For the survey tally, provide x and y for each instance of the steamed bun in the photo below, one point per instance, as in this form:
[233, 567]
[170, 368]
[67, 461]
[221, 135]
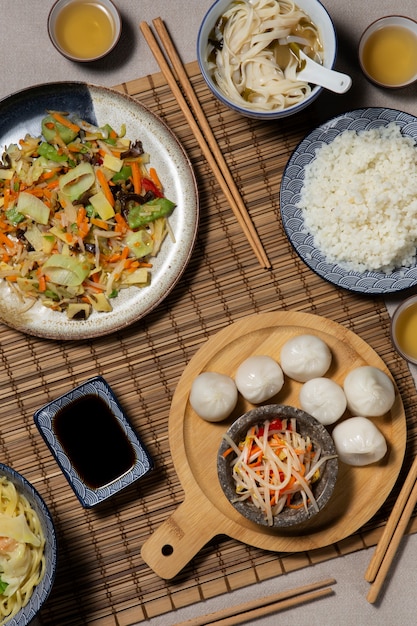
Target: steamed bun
[359, 442]
[213, 396]
[258, 378]
[369, 391]
[305, 357]
[324, 399]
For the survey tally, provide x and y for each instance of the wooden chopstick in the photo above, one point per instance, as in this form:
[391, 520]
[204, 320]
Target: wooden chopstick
[391, 537]
[208, 143]
[264, 606]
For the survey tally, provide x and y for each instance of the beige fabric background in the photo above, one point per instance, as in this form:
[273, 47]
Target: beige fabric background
[28, 58]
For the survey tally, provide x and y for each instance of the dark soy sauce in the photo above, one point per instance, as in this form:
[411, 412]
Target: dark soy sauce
[94, 441]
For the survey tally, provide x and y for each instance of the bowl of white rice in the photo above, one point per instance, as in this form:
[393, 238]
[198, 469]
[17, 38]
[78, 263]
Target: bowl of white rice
[244, 55]
[348, 200]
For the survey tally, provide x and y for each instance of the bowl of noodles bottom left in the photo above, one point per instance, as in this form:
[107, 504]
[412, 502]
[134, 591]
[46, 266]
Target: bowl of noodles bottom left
[18, 496]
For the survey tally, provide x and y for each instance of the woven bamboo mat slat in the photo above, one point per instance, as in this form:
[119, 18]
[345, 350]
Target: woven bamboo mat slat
[101, 578]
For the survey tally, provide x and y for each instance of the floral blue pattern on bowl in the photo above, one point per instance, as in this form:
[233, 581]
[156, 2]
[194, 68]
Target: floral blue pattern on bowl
[292, 217]
[97, 465]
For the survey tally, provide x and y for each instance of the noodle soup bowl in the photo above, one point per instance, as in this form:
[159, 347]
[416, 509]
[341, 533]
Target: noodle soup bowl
[322, 486]
[42, 590]
[319, 17]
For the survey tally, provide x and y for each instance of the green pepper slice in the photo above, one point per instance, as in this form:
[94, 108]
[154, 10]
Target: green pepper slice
[141, 214]
[49, 152]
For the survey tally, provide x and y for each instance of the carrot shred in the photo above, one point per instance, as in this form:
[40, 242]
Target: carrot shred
[61, 119]
[136, 177]
[6, 241]
[41, 280]
[155, 178]
[104, 184]
[82, 222]
[6, 197]
[121, 224]
[100, 223]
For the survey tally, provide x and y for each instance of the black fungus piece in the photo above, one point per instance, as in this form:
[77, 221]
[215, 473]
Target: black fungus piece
[90, 247]
[127, 200]
[135, 150]
[7, 161]
[84, 199]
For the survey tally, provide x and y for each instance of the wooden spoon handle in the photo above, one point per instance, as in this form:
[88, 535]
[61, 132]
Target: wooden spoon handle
[180, 537]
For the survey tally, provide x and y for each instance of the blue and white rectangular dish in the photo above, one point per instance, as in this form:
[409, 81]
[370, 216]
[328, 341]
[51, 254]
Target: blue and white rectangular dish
[93, 442]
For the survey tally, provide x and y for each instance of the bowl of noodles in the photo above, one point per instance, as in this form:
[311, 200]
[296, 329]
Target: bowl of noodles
[28, 550]
[245, 53]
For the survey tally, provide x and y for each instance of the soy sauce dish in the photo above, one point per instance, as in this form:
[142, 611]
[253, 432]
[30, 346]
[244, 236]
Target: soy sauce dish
[93, 442]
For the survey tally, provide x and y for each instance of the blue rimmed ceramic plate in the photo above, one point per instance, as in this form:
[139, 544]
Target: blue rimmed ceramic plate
[43, 589]
[292, 218]
[22, 113]
[93, 442]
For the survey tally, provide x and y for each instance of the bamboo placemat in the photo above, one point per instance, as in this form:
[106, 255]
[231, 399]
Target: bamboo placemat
[101, 577]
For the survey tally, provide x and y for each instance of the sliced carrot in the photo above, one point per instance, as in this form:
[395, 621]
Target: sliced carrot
[74, 147]
[47, 175]
[41, 281]
[136, 177]
[121, 224]
[105, 186]
[52, 184]
[131, 264]
[82, 222]
[6, 241]
[155, 178]
[6, 197]
[100, 223]
[227, 452]
[65, 121]
[35, 191]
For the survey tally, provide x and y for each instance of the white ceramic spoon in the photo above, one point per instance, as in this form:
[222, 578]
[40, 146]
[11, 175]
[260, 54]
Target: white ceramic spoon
[312, 72]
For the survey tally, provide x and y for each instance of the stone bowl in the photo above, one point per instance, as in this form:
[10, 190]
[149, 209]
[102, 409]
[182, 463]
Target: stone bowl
[306, 425]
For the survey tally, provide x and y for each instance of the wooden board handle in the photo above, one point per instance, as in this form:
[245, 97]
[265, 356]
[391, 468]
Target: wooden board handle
[172, 546]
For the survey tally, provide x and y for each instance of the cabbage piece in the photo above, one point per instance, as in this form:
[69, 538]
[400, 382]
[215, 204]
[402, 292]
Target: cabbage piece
[33, 207]
[77, 181]
[51, 128]
[18, 529]
[66, 270]
[140, 243]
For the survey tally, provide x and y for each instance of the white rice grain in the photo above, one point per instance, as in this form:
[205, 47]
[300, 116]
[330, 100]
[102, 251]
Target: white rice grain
[359, 200]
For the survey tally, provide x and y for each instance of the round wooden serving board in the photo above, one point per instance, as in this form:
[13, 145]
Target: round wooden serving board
[205, 512]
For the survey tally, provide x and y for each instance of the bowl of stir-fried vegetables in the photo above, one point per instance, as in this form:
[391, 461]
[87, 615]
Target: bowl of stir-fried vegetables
[98, 210]
[277, 466]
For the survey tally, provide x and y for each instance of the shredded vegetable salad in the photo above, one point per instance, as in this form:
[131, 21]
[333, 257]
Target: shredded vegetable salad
[82, 215]
[275, 467]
